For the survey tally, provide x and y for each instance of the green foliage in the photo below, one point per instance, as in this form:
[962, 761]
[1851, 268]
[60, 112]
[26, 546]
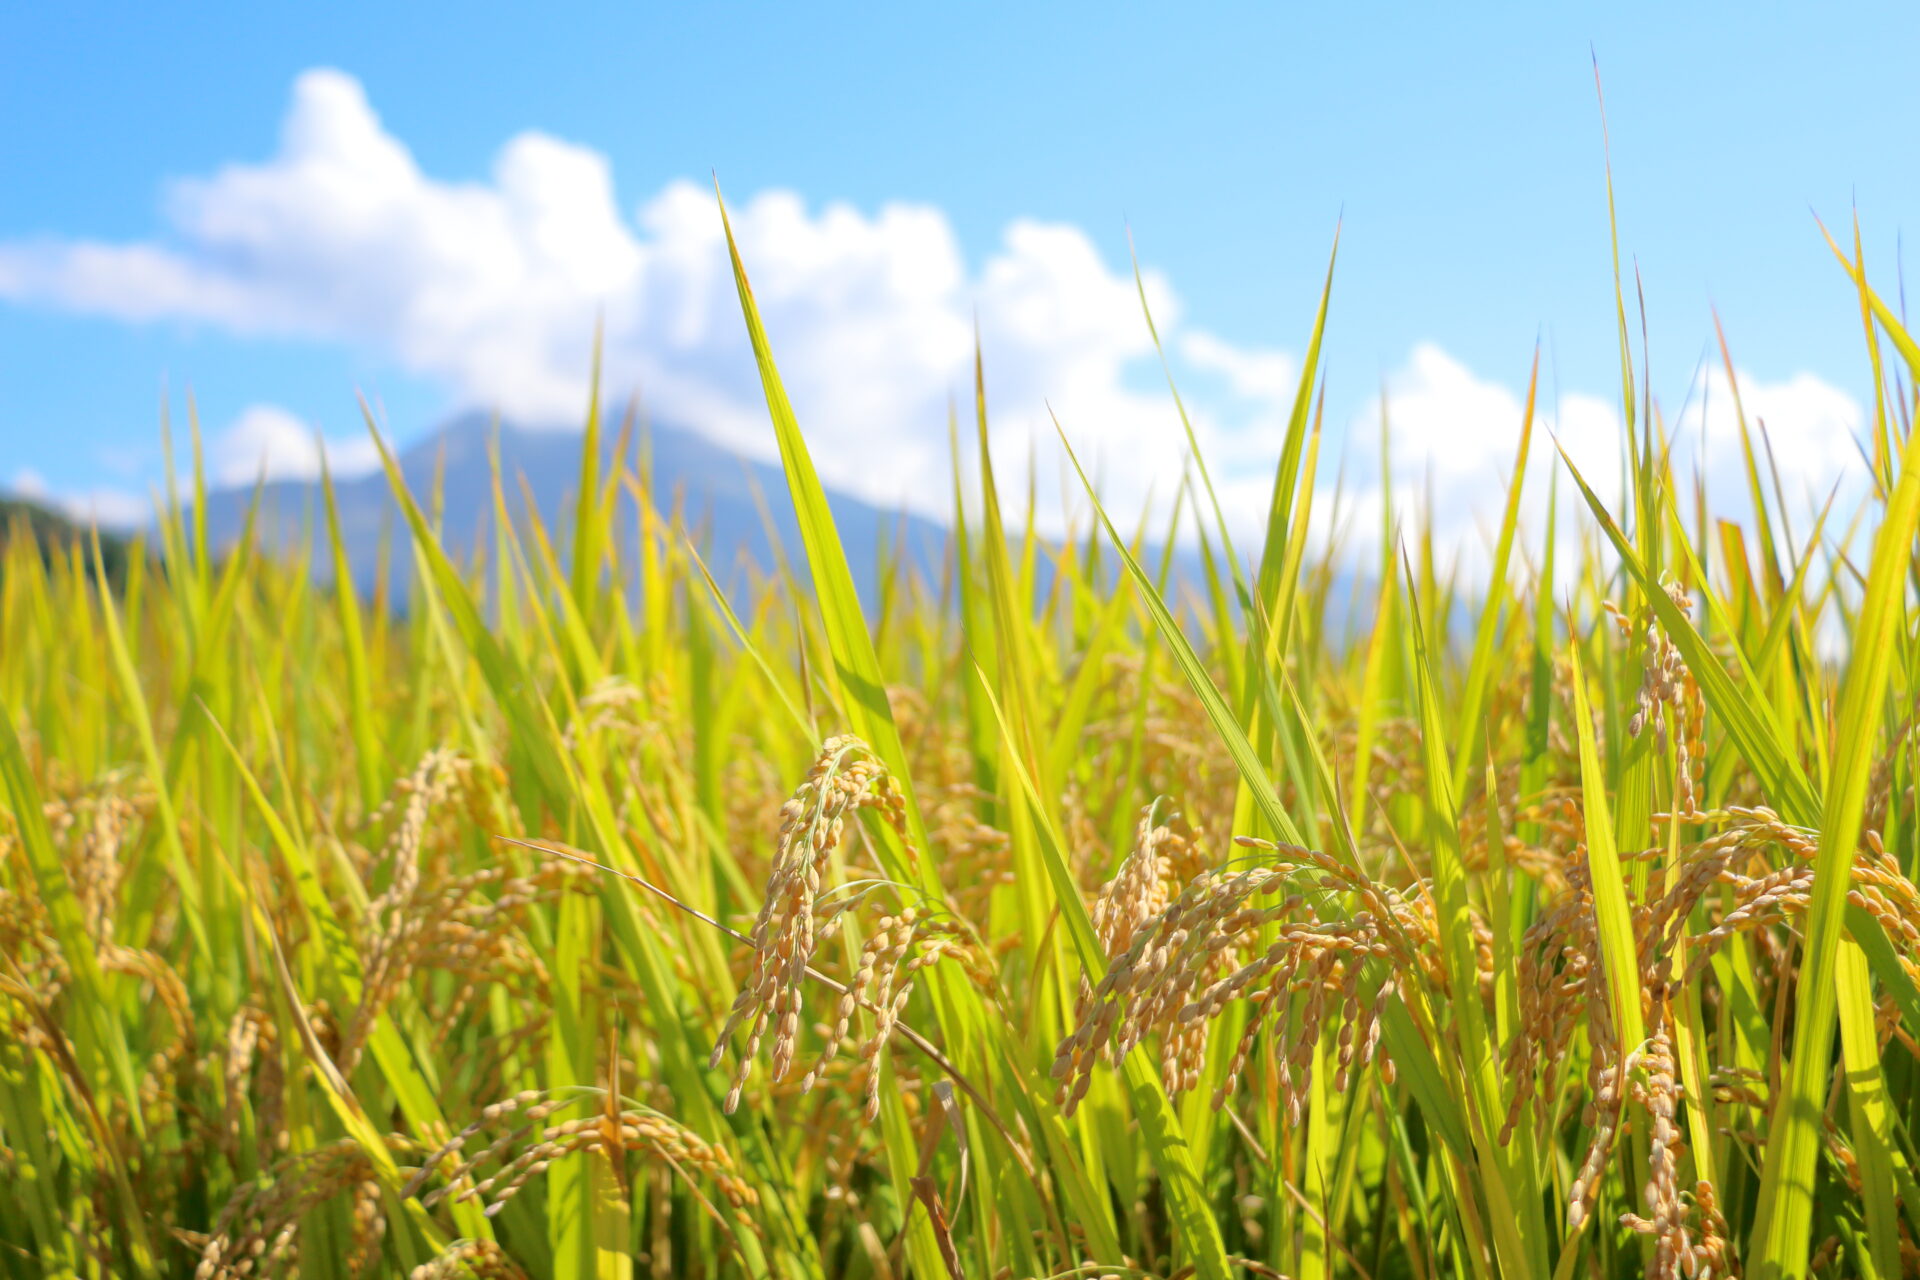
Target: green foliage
[1112, 932]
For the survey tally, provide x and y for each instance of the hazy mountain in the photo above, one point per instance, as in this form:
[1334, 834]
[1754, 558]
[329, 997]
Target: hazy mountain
[713, 486]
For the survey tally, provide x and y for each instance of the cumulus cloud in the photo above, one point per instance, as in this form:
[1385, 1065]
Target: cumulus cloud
[494, 288]
[1453, 432]
[1450, 447]
[1261, 375]
[1812, 429]
[268, 441]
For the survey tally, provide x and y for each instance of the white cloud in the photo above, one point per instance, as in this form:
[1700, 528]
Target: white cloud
[1260, 375]
[1812, 428]
[1453, 434]
[492, 288]
[266, 440]
[109, 508]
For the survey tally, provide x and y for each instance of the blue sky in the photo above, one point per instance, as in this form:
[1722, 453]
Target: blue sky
[899, 170]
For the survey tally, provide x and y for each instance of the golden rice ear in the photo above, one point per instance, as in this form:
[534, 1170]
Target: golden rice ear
[1214, 946]
[846, 778]
[479, 1259]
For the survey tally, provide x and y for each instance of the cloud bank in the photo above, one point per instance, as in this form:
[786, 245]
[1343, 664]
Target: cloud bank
[493, 290]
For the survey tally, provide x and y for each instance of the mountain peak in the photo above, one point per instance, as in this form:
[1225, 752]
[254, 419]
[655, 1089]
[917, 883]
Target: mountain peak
[715, 484]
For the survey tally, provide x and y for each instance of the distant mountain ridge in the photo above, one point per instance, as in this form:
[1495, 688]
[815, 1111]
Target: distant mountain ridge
[712, 485]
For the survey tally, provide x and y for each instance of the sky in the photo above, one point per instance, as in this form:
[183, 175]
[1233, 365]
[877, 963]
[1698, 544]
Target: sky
[277, 209]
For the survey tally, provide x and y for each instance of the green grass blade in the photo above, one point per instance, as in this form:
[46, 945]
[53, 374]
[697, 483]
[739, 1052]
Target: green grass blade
[1783, 1221]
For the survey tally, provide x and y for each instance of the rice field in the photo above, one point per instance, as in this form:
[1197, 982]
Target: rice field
[1060, 915]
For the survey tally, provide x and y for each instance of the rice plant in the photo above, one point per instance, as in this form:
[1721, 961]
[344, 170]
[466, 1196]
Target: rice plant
[1058, 916]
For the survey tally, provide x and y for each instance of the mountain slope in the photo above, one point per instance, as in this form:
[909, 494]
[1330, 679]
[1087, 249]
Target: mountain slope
[712, 485]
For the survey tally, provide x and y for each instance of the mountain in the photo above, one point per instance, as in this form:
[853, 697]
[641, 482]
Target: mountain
[713, 486]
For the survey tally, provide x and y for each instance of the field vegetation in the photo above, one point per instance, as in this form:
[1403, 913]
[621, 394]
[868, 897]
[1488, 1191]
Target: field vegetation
[1061, 916]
